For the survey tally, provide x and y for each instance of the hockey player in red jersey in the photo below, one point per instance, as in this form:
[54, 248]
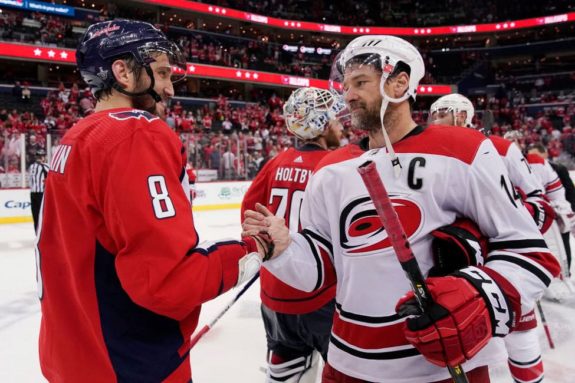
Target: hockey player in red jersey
[297, 323]
[523, 348]
[433, 175]
[121, 271]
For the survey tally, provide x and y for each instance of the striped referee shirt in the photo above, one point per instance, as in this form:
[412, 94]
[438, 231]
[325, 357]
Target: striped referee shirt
[38, 173]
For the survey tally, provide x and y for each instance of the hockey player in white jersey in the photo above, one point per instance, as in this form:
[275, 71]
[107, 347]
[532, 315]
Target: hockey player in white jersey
[523, 348]
[433, 176]
[558, 237]
[457, 110]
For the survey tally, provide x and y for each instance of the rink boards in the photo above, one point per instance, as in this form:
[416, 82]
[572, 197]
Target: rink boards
[15, 203]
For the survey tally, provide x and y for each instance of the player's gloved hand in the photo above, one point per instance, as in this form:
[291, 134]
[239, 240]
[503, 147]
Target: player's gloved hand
[249, 265]
[469, 308]
[542, 213]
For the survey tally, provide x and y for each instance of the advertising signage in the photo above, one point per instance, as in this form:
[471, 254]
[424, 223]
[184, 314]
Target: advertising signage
[68, 56]
[39, 6]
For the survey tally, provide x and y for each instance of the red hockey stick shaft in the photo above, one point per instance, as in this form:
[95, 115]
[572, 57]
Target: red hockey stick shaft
[400, 243]
[545, 326]
[209, 326]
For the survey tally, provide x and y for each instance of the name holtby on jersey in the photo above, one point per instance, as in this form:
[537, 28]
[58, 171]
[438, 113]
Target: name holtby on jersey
[293, 175]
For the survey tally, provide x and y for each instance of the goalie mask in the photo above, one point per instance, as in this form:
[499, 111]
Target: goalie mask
[105, 42]
[389, 56]
[457, 106]
[308, 111]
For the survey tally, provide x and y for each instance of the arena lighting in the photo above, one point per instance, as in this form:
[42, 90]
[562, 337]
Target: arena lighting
[24, 52]
[362, 30]
[304, 49]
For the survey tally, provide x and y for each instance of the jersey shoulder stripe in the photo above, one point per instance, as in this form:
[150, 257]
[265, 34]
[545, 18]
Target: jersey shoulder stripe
[439, 139]
[348, 152]
[501, 144]
[535, 159]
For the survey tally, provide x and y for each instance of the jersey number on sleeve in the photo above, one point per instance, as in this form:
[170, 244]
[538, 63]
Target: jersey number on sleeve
[526, 164]
[163, 206]
[294, 202]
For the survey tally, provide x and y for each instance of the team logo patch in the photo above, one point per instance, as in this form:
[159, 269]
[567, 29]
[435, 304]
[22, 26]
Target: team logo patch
[135, 114]
[361, 228]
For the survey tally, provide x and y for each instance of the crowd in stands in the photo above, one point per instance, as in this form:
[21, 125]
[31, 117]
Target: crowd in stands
[201, 47]
[235, 141]
[399, 13]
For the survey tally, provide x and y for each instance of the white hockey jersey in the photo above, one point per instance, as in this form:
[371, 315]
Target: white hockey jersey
[548, 177]
[523, 177]
[448, 172]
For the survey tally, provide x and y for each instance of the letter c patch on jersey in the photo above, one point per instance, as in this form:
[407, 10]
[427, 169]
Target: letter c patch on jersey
[361, 230]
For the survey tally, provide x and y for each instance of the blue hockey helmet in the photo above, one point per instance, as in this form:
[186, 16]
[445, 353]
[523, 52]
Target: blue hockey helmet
[105, 42]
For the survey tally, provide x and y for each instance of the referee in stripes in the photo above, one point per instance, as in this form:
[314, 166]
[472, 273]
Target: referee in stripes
[38, 172]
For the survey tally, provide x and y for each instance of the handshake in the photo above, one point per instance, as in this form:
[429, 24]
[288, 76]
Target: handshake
[270, 232]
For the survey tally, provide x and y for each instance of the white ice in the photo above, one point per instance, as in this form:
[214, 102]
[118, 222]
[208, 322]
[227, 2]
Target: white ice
[234, 350]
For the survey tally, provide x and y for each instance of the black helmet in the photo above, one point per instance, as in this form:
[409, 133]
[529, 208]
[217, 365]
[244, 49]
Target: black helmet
[105, 42]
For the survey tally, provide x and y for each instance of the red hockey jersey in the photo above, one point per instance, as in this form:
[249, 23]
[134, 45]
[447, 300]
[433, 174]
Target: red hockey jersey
[121, 273]
[280, 185]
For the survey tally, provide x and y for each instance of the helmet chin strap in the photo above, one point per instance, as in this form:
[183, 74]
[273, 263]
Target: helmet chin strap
[384, 103]
[150, 90]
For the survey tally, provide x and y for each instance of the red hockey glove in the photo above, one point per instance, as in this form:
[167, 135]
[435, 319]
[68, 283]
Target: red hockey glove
[469, 308]
[542, 213]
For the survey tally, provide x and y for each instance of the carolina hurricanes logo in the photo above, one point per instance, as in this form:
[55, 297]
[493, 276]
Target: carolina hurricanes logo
[361, 230]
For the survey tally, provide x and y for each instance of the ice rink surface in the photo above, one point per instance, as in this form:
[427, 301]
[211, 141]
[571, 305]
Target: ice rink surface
[234, 350]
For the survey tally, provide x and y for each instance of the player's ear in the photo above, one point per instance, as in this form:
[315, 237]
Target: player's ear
[122, 73]
[400, 84]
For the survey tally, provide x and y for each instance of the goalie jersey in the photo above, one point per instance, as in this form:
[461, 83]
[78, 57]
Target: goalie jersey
[448, 172]
[119, 300]
[280, 185]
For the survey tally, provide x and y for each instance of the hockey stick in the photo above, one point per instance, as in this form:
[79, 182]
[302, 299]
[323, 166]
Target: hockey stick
[400, 243]
[208, 326]
[545, 326]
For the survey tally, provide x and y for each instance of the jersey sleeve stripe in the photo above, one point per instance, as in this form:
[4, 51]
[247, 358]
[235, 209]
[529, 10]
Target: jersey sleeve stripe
[554, 185]
[207, 247]
[319, 238]
[315, 242]
[517, 244]
[524, 263]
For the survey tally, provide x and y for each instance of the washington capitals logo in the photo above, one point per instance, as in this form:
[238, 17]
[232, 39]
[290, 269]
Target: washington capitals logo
[361, 230]
[135, 114]
[104, 31]
[103, 74]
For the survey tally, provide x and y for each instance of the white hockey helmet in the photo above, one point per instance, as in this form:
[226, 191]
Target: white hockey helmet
[384, 52]
[309, 110]
[390, 55]
[454, 103]
[513, 135]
